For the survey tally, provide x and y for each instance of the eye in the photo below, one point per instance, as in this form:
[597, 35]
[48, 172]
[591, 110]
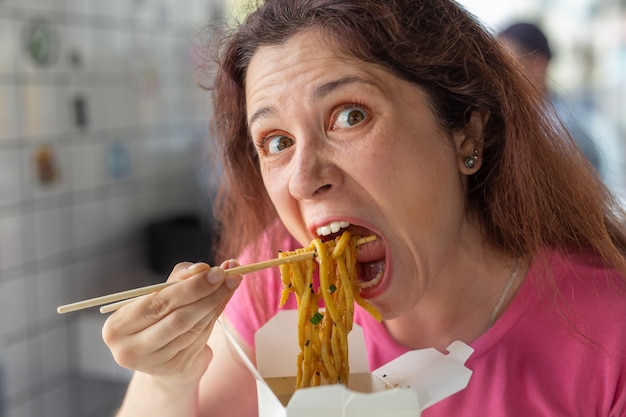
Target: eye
[349, 116]
[278, 143]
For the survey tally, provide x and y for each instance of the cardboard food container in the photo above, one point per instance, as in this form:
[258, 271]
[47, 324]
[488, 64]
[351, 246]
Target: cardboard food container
[401, 388]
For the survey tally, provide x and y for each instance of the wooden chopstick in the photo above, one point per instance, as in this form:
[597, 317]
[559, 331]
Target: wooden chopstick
[137, 292]
[119, 299]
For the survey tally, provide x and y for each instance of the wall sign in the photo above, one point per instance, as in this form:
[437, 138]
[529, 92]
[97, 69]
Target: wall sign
[41, 42]
[46, 166]
[118, 160]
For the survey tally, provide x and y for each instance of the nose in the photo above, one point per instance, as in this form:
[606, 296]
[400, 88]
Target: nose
[315, 172]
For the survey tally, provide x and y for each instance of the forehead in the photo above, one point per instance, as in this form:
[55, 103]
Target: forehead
[310, 43]
[304, 50]
[301, 66]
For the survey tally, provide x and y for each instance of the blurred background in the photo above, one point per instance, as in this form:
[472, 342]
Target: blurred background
[104, 173]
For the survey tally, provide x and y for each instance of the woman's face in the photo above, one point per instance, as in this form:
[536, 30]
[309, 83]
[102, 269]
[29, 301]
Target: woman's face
[343, 142]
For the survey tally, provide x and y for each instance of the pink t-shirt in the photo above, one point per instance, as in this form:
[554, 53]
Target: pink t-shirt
[547, 355]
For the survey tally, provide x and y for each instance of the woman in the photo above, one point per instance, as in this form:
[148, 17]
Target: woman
[403, 119]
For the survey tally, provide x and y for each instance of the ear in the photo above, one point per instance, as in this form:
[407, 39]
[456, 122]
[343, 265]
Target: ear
[469, 142]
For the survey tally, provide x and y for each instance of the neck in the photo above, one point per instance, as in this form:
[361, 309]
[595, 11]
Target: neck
[459, 310]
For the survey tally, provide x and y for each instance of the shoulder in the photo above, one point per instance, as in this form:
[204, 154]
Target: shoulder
[584, 295]
[565, 324]
[581, 278]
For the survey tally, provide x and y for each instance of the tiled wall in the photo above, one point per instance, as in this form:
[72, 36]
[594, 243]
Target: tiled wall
[101, 133]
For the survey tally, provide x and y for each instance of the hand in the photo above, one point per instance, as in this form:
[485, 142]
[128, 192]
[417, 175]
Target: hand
[165, 334]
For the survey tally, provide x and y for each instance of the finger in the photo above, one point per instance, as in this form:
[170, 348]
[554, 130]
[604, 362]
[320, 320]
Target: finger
[190, 318]
[197, 334]
[174, 356]
[185, 323]
[194, 360]
[231, 281]
[145, 312]
[181, 354]
[144, 350]
[169, 358]
[183, 334]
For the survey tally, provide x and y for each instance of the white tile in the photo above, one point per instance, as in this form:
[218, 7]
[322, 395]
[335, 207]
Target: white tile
[127, 272]
[9, 117]
[51, 290]
[27, 172]
[152, 109]
[55, 361]
[95, 357]
[151, 158]
[80, 7]
[87, 278]
[29, 236]
[168, 54]
[109, 8]
[97, 107]
[38, 107]
[151, 201]
[11, 241]
[89, 223]
[9, 175]
[65, 111]
[39, 4]
[51, 235]
[16, 368]
[114, 51]
[21, 410]
[197, 12]
[121, 217]
[57, 402]
[13, 307]
[9, 40]
[121, 102]
[78, 42]
[85, 164]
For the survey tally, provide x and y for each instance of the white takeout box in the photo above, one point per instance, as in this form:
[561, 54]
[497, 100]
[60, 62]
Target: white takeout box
[401, 388]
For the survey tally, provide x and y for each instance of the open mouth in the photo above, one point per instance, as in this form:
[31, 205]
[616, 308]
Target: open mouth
[370, 255]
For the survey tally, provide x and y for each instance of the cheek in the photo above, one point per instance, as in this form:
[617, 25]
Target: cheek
[276, 187]
[286, 206]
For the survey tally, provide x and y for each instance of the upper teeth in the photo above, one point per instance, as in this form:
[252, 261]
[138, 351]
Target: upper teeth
[333, 227]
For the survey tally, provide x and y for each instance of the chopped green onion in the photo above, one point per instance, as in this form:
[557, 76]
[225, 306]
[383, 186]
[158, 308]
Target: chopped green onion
[332, 288]
[317, 317]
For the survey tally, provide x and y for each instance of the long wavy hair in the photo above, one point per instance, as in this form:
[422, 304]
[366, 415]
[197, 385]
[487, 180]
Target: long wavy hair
[534, 189]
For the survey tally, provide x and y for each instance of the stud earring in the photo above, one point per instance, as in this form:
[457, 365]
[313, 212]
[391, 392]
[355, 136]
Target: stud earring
[470, 161]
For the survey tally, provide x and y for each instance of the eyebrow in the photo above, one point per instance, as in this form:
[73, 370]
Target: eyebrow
[329, 87]
[319, 92]
[261, 113]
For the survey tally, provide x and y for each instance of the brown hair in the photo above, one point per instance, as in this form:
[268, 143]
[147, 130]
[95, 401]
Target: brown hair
[534, 188]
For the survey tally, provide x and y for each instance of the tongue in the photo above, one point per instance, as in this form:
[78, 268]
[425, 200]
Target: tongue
[371, 259]
[371, 251]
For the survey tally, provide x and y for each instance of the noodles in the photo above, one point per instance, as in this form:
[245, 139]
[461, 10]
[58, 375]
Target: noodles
[323, 334]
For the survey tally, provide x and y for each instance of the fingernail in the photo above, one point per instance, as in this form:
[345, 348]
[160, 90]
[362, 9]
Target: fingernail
[194, 266]
[215, 276]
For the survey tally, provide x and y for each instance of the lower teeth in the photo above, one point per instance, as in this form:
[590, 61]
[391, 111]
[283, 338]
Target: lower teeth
[368, 284]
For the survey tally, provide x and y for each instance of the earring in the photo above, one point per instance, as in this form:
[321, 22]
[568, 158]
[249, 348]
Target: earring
[470, 161]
